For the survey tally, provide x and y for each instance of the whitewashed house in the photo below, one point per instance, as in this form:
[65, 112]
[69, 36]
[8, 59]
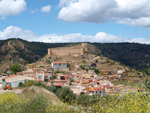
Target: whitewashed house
[56, 65]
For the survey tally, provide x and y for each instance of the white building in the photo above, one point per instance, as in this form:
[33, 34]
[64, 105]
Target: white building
[56, 65]
[39, 76]
[14, 80]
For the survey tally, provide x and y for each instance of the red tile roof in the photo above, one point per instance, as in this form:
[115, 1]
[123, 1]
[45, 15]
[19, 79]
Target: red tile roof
[66, 76]
[46, 73]
[59, 84]
[98, 89]
[91, 89]
[59, 62]
[10, 76]
[106, 86]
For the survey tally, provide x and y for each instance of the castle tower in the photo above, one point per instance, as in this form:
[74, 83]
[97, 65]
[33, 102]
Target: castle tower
[85, 47]
[49, 52]
[82, 51]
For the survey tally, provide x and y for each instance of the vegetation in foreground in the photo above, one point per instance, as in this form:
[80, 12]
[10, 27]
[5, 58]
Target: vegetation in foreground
[31, 102]
[132, 102]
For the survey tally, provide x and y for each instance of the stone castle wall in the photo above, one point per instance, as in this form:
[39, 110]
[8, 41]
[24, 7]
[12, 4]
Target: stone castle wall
[75, 50]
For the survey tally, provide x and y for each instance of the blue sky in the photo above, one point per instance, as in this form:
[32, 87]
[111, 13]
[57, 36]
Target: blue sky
[76, 20]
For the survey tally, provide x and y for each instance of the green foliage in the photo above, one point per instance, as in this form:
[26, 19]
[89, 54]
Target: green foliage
[53, 77]
[147, 84]
[31, 102]
[65, 94]
[87, 100]
[29, 83]
[60, 72]
[13, 103]
[68, 65]
[146, 71]
[15, 68]
[109, 73]
[138, 73]
[21, 84]
[83, 66]
[36, 104]
[126, 53]
[96, 61]
[96, 71]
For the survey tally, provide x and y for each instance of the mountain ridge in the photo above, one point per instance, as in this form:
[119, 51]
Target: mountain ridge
[22, 52]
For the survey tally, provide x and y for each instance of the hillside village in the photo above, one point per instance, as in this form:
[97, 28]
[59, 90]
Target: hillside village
[75, 67]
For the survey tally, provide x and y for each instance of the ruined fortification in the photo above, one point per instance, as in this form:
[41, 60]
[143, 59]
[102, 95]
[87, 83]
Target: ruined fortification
[74, 50]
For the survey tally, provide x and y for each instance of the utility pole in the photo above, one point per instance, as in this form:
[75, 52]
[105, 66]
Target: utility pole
[51, 78]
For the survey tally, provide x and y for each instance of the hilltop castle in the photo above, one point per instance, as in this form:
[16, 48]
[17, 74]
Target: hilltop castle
[74, 50]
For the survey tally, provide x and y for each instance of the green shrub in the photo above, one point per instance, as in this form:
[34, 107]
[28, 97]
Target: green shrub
[96, 71]
[87, 100]
[21, 84]
[68, 65]
[65, 94]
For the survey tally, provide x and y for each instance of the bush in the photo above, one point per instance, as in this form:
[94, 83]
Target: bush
[68, 65]
[96, 71]
[15, 68]
[37, 103]
[83, 66]
[96, 61]
[87, 100]
[65, 94]
[21, 84]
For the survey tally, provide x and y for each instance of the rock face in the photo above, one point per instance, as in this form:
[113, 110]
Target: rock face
[75, 50]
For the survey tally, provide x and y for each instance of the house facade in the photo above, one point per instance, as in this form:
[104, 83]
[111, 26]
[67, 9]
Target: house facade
[57, 65]
[14, 80]
[39, 76]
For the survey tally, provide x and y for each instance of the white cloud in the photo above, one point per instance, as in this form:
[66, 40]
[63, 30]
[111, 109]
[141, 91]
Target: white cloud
[34, 11]
[130, 12]
[66, 2]
[11, 7]
[100, 37]
[144, 22]
[46, 9]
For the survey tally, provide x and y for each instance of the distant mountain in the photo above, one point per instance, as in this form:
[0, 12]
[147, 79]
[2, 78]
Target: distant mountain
[22, 52]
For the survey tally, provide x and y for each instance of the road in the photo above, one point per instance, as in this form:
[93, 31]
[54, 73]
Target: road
[18, 91]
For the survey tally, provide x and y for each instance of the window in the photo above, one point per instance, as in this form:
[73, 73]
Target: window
[39, 77]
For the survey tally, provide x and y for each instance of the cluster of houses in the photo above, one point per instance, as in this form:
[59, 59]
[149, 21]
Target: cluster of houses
[90, 83]
[36, 73]
[79, 82]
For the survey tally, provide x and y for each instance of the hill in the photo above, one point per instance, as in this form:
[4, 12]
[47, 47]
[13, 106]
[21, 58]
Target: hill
[19, 51]
[131, 54]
